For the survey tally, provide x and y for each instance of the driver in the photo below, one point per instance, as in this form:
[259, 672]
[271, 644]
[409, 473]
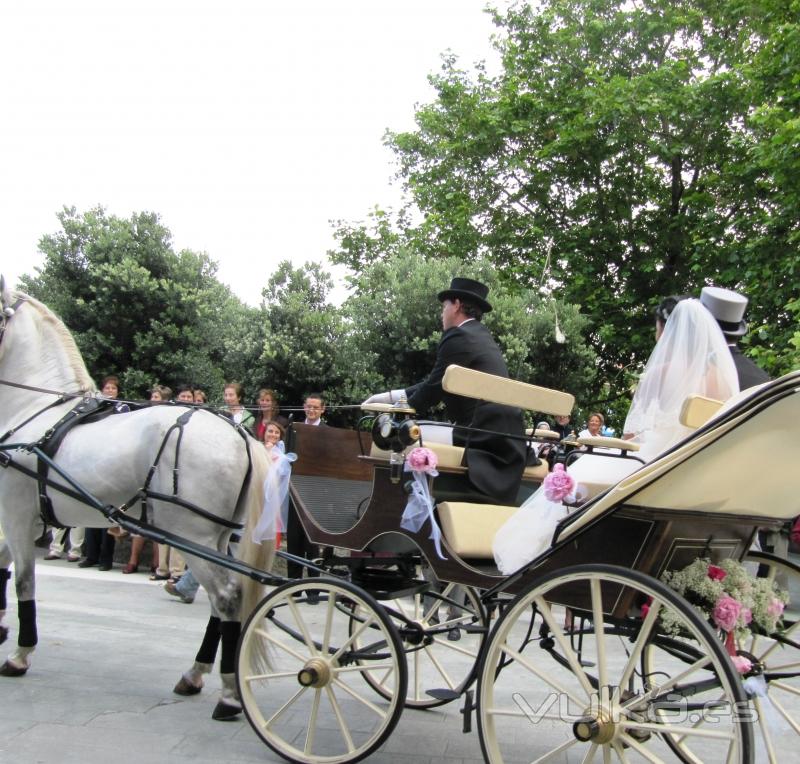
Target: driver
[495, 462]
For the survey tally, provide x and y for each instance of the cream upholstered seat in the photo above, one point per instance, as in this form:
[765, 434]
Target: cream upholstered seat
[470, 528]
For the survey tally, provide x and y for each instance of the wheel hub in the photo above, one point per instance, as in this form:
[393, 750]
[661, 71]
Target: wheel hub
[316, 673]
[596, 728]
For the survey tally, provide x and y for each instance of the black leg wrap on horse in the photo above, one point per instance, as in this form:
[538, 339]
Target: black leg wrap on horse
[208, 649]
[26, 612]
[5, 574]
[230, 631]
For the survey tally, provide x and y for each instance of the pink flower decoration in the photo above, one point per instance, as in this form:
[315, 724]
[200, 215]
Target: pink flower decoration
[422, 460]
[747, 615]
[558, 484]
[645, 610]
[726, 612]
[715, 573]
[742, 664]
[775, 608]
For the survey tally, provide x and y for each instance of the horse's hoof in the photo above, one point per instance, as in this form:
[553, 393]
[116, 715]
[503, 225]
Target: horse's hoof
[185, 687]
[225, 712]
[3, 634]
[9, 669]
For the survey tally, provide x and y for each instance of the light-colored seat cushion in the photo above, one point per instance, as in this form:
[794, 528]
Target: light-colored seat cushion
[470, 528]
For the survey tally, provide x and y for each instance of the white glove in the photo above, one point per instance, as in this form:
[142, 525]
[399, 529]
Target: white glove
[391, 397]
[378, 398]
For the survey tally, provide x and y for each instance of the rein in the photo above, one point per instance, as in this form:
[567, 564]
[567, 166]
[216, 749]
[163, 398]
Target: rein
[46, 391]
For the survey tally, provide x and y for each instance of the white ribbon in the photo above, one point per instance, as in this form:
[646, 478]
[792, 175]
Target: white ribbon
[420, 508]
[275, 512]
[756, 686]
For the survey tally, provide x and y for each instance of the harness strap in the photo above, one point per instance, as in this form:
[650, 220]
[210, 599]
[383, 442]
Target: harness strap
[49, 444]
[114, 512]
[179, 424]
[61, 399]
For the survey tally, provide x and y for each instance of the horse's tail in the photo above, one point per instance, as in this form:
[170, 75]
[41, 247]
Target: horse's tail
[260, 556]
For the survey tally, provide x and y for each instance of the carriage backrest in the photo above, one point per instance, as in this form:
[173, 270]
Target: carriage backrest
[511, 392]
[739, 463]
[697, 410]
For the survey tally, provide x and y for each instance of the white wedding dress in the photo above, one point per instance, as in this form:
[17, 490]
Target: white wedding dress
[692, 356]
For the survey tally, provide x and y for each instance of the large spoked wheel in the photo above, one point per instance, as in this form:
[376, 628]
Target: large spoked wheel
[566, 684]
[776, 700]
[443, 634]
[309, 701]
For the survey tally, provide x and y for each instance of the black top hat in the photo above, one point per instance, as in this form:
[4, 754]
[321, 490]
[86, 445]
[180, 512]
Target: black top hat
[727, 307]
[467, 289]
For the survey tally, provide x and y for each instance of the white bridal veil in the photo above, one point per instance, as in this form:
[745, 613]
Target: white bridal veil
[692, 357]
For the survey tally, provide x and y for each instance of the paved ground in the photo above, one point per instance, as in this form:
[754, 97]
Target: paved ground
[100, 690]
[111, 647]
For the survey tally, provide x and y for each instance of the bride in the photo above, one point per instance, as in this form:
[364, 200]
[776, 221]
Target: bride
[690, 356]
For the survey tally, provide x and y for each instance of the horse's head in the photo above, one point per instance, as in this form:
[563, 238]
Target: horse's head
[36, 347]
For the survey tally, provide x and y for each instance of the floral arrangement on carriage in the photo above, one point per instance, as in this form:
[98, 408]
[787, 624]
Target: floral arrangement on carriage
[733, 601]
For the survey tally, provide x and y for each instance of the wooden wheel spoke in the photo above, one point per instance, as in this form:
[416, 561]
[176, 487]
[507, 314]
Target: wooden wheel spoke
[288, 704]
[311, 728]
[360, 698]
[343, 728]
[577, 670]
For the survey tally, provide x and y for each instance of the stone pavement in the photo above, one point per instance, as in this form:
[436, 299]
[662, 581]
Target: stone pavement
[111, 647]
[100, 689]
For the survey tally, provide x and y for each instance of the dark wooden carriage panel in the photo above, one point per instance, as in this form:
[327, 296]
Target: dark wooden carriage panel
[350, 501]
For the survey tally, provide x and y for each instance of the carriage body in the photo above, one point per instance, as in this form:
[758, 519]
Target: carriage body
[706, 498]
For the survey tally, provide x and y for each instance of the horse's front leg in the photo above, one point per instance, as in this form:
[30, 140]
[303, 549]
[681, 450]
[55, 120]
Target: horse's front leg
[19, 662]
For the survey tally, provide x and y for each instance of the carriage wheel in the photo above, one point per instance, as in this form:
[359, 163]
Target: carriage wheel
[443, 634]
[310, 702]
[565, 684]
[777, 700]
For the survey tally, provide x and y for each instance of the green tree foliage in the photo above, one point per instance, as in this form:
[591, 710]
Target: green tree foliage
[303, 335]
[395, 324]
[624, 152]
[138, 309]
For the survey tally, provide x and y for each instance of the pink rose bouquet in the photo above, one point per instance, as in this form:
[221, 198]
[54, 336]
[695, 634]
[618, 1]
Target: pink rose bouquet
[559, 484]
[732, 599]
[422, 460]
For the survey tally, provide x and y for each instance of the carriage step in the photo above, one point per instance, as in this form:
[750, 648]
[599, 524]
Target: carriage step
[443, 694]
[388, 584]
[475, 629]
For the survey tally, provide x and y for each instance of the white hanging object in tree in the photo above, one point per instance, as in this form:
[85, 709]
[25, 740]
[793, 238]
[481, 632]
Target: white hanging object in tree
[560, 336]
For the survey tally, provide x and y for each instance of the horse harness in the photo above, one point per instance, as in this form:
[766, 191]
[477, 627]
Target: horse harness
[89, 410]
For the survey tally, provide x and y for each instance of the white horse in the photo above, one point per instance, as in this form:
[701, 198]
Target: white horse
[218, 469]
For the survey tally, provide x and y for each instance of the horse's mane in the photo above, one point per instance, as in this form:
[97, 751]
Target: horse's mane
[70, 348]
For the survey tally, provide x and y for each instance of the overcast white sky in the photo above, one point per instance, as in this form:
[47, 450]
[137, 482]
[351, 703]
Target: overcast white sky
[246, 125]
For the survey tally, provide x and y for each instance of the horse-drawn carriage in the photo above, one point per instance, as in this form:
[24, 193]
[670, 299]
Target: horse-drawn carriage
[571, 653]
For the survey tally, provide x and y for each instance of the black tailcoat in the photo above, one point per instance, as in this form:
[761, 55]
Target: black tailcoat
[749, 374]
[495, 462]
